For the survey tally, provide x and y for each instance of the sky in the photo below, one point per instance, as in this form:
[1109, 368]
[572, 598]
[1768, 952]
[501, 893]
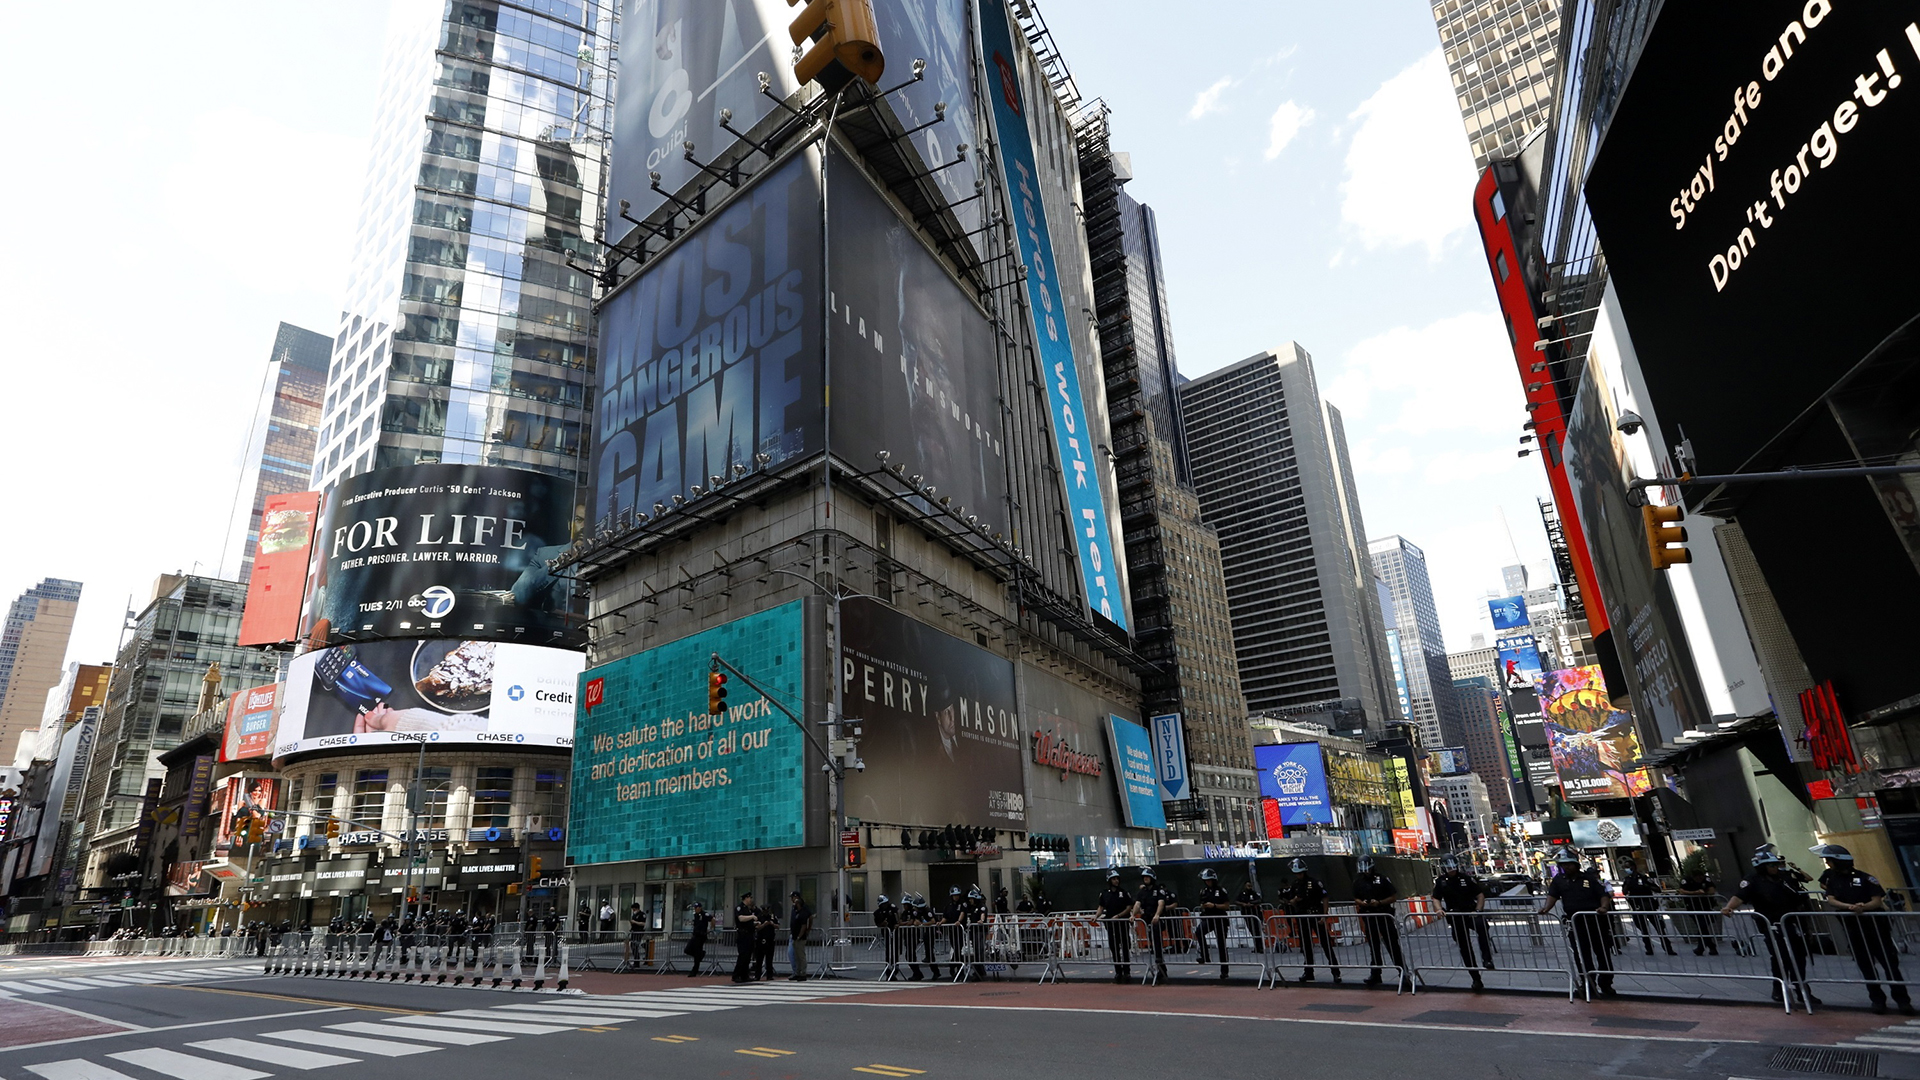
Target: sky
[194, 182]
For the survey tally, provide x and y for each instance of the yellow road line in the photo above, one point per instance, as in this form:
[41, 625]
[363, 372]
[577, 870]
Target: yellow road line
[887, 1070]
[899, 1068]
[676, 1038]
[766, 1052]
[298, 1000]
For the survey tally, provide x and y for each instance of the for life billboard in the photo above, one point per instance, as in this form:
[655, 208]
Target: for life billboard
[278, 586]
[447, 551]
[1294, 776]
[940, 724]
[1131, 750]
[441, 690]
[1751, 197]
[250, 723]
[654, 776]
[1594, 746]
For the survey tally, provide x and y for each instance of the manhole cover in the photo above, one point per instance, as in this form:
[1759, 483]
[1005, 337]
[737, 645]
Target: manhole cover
[1832, 1062]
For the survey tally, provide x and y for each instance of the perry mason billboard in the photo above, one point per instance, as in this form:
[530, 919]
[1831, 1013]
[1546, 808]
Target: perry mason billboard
[1753, 198]
[446, 551]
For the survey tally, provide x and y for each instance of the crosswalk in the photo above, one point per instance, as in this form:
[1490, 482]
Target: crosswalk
[1900, 1038]
[263, 1054]
[25, 988]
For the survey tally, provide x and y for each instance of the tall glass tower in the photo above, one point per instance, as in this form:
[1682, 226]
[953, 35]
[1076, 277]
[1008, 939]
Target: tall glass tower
[286, 450]
[464, 334]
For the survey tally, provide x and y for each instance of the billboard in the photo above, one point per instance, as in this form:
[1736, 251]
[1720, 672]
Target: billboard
[1070, 773]
[1451, 761]
[1131, 750]
[913, 355]
[447, 550]
[250, 717]
[1400, 687]
[1170, 757]
[1604, 832]
[655, 777]
[1755, 141]
[237, 799]
[712, 355]
[443, 690]
[1509, 613]
[1294, 776]
[940, 724]
[64, 790]
[1072, 433]
[1595, 747]
[279, 581]
[1519, 675]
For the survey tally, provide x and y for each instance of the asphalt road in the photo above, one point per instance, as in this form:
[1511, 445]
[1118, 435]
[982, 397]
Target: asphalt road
[224, 1021]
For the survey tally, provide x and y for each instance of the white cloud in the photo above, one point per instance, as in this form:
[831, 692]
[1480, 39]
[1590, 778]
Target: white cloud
[1454, 375]
[1409, 172]
[1286, 122]
[1208, 100]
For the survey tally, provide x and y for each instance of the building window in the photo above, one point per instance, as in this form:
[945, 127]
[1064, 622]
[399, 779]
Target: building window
[1498, 205]
[324, 787]
[549, 807]
[1500, 267]
[369, 799]
[436, 784]
[493, 798]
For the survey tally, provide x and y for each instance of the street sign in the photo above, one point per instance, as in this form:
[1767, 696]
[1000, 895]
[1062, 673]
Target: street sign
[1170, 757]
[850, 838]
[1695, 835]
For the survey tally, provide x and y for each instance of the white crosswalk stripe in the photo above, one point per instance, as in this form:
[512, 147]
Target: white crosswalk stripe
[469, 1023]
[185, 1066]
[452, 1038]
[356, 1043]
[76, 1069]
[292, 1057]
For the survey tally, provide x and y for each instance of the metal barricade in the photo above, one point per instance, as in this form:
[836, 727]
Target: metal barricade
[1859, 949]
[1107, 946]
[1303, 944]
[1509, 949]
[1619, 945]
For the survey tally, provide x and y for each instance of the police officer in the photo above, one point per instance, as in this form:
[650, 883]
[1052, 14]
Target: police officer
[1117, 909]
[700, 924]
[1584, 899]
[1249, 904]
[1643, 899]
[886, 923]
[929, 919]
[1216, 909]
[1155, 903]
[975, 919]
[952, 918]
[1373, 897]
[1462, 897]
[766, 935]
[1774, 894]
[1854, 892]
[746, 920]
[1305, 896]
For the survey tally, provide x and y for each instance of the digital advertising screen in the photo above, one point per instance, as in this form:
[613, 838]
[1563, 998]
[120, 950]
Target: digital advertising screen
[1604, 832]
[1509, 613]
[1519, 676]
[278, 586]
[940, 724]
[1294, 776]
[443, 690]
[1451, 761]
[654, 776]
[237, 799]
[448, 551]
[1131, 750]
[1595, 747]
[250, 723]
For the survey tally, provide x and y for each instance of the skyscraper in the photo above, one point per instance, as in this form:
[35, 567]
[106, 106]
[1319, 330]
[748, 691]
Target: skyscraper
[464, 333]
[1182, 622]
[286, 454]
[1402, 567]
[1481, 721]
[1500, 54]
[33, 645]
[1270, 465]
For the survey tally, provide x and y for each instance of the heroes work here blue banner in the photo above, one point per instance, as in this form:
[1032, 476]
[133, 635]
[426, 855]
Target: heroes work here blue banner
[1071, 433]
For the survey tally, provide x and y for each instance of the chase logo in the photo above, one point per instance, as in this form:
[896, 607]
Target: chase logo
[516, 692]
[438, 600]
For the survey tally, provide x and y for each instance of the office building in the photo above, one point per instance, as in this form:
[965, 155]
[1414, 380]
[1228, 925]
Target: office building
[33, 646]
[1182, 622]
[1484, 730]
[1500, 56]
[1468, 802]
[1402, 568]
[293, 422]
[80, 685]
[1270, 464]
[464, 333]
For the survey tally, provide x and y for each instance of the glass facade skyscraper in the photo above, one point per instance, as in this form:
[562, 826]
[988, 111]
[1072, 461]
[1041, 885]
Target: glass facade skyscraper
[1402, 568]
[464, 334]
[33, 644]
[286, 454]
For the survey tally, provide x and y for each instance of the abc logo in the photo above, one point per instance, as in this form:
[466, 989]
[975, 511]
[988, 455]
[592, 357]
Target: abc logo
[439, 601]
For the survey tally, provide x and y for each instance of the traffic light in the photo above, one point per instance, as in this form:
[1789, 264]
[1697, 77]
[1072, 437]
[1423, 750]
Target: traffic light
[256, 829]
[716, 693]
[533, 868]
[844, 32]
[1661, 531]
[513, 888]
[856, 857]
[333, 828]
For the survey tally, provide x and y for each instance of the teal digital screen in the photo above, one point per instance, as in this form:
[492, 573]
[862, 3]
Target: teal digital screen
[655, 777]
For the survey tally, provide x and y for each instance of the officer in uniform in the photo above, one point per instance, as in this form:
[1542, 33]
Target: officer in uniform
[953, 916]
[976, 923]
[1305, 896]
[1584, 899]
[1643, 899]
[886, 922]
[766, 936]
[1462, 898]
[1155, 903]
[1774, 894]
[929, 919]
[1216, 909]
[1854, 892]
[1117, 909]
[1373, 897]
[1249, 904]
[745, 918]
